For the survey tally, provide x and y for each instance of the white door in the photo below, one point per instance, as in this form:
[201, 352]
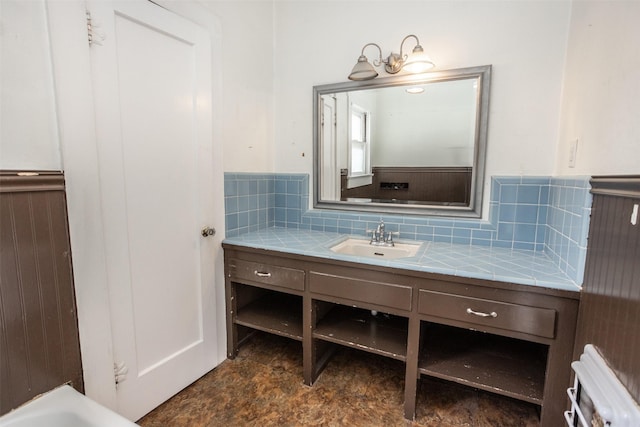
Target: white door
[329, 163]
[151, 72]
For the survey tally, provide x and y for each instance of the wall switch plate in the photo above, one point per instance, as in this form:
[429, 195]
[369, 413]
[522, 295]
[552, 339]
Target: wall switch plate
[573, 151]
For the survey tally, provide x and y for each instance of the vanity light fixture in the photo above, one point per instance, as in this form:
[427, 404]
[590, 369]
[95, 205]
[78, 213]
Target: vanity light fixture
[417, 62]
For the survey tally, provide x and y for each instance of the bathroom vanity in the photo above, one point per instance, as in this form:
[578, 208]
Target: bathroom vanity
[507, 338]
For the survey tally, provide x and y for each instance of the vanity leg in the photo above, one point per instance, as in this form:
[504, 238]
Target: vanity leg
[308, 351]
[412, 374]
[558, 375]
[232, 328]
[316, 353]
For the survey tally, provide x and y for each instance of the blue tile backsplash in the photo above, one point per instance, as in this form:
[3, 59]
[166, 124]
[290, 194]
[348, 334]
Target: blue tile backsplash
[542, 214]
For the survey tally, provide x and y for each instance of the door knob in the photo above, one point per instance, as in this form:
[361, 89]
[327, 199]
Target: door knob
[208, 231]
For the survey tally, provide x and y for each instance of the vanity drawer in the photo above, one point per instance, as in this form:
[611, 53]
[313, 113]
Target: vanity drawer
[379, 293]
[267, 274]
[513, 317]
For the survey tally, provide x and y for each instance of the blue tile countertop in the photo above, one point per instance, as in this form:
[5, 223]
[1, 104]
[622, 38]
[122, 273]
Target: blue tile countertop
[500, 264]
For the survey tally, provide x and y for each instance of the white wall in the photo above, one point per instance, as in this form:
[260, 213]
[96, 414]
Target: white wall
[601, 102]
[246, 120]
[28, 130]
[525, 41]
[433, 128]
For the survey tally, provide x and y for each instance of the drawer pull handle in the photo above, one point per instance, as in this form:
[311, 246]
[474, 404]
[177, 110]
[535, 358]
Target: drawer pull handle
[481, 314]
[261, 274]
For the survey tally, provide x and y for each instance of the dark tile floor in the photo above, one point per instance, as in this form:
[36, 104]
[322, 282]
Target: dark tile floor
[263, 387]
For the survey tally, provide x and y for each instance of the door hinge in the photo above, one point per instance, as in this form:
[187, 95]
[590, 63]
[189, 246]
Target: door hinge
[93, 36]
[120, 371]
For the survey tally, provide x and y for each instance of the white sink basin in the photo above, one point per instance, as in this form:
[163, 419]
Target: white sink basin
[359, 247]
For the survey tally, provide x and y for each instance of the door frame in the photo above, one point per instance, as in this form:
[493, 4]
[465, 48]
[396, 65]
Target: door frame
[74, 106]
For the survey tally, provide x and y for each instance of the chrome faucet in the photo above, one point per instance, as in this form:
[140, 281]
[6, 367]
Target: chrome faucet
[380, 237]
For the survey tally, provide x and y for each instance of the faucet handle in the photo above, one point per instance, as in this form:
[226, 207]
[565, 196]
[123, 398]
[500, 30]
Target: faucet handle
[390, 235]
[372, 232]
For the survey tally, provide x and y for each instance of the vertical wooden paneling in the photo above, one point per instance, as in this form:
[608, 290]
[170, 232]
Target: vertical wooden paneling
[39, 344]
[437, 185]
[610, 304]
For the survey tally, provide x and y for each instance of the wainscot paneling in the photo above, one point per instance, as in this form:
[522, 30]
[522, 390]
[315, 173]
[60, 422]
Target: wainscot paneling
[609, 314]
[39, 346]
[437, 185]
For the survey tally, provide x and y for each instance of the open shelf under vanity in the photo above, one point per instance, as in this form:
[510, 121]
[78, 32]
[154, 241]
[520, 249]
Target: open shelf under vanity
[494, 363]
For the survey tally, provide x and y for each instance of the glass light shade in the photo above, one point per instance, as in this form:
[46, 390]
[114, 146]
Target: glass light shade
[363, 70]
[418, 62]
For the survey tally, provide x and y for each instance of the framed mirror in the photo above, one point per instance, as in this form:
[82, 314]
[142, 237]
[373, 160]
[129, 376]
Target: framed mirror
[411, 144]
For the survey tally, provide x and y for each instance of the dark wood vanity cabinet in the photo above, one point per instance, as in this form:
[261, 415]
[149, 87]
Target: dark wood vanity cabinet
[504, 338]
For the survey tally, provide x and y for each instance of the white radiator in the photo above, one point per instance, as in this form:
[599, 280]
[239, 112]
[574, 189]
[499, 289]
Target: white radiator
[598, 398]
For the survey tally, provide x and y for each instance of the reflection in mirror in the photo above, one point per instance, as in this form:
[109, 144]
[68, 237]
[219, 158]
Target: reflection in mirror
[407, 144]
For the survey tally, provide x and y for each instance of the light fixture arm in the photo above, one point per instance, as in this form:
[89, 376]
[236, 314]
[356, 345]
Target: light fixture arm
[376, 62]
[404, 55]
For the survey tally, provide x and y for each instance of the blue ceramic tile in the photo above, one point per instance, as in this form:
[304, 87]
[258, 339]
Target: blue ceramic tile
[415, 220]
[331, 222]
[230, 188]
[442, 231]
[359, 227]
[544, 195]
[280, 186]
[508, 193]
[535, 180]
[507, 212]
[495, 191]
[280, 214]
[442, 239]
[527, 214]
[525, 233]
[524, 245]
[253, 217]
[231, 204]
[293, 187]
[262, 217]
[293, 201]
[542, 214]
[243, 219]
[243, 188]
[502, 243]
[263, 201]
[462, 233]
[482, 234]
[529, 194]
[293, 216]
[461, 240]
[481, 242]
[253, 202]
[243, 203]
[407, 229]
[231, 221]
[505, 231]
